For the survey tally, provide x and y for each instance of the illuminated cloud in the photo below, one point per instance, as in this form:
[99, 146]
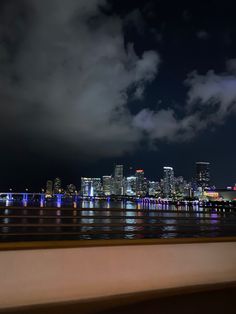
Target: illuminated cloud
[212, 94]
[74, 75]
[203, 35]
[231, 66]
[211, 99]
[70, 77]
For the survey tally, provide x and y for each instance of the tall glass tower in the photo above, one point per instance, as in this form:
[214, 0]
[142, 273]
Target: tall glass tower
[130, 186]
[57, 186]
[107, 183]
[118, 180]
[49, 188]
[169, 181]
[202, 174]
[90, 186]
[140, 183]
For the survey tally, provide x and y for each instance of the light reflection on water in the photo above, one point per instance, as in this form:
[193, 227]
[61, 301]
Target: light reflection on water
[9, 203]
[214, 217]
[129, 220]
[99, 204]
[87, 220]
[6, 220]
[157, 220]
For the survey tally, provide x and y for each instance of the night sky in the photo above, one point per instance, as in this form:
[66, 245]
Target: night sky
[85, 84]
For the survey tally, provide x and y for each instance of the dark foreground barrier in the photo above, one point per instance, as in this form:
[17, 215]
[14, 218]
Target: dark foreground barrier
[218, 298]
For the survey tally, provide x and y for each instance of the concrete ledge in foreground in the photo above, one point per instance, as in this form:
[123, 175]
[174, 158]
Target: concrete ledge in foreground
[37, 274]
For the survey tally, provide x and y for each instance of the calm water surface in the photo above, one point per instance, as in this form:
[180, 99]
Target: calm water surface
[111, 220]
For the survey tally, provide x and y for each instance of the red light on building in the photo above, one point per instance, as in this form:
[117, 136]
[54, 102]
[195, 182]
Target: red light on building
[139, 170]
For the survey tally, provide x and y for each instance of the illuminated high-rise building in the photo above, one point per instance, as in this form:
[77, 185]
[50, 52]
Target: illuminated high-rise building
[140, 182]
[119, 180]
[57, 186]
[91, 186]
[49, 188]
[107, 183]
[168, 182]
[130, 186]
[182, 187]
[179, 185]
[202, 174]
[153, 188]
[145, 186]
[71, 189]
[86, 186]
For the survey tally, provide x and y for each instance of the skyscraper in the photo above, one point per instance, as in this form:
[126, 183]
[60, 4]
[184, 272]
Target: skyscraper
[49, 188]
[57, 186]
[71, 189]
[202, 174]
[130, 186]
[168, 184]
[118, 180]
[107, 183]
[179, 183]
[140, 183]
[91, 186]
[153, 188]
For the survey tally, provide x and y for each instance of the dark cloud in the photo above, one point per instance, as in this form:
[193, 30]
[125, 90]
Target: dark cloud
[211, 99]
[231, 66]
[135, 19]
[216, 91]
[68, 81]
[70, 78]
[202, 34]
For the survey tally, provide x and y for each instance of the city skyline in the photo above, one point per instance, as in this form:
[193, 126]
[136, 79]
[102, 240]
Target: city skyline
[127, 171]
[134, 183]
